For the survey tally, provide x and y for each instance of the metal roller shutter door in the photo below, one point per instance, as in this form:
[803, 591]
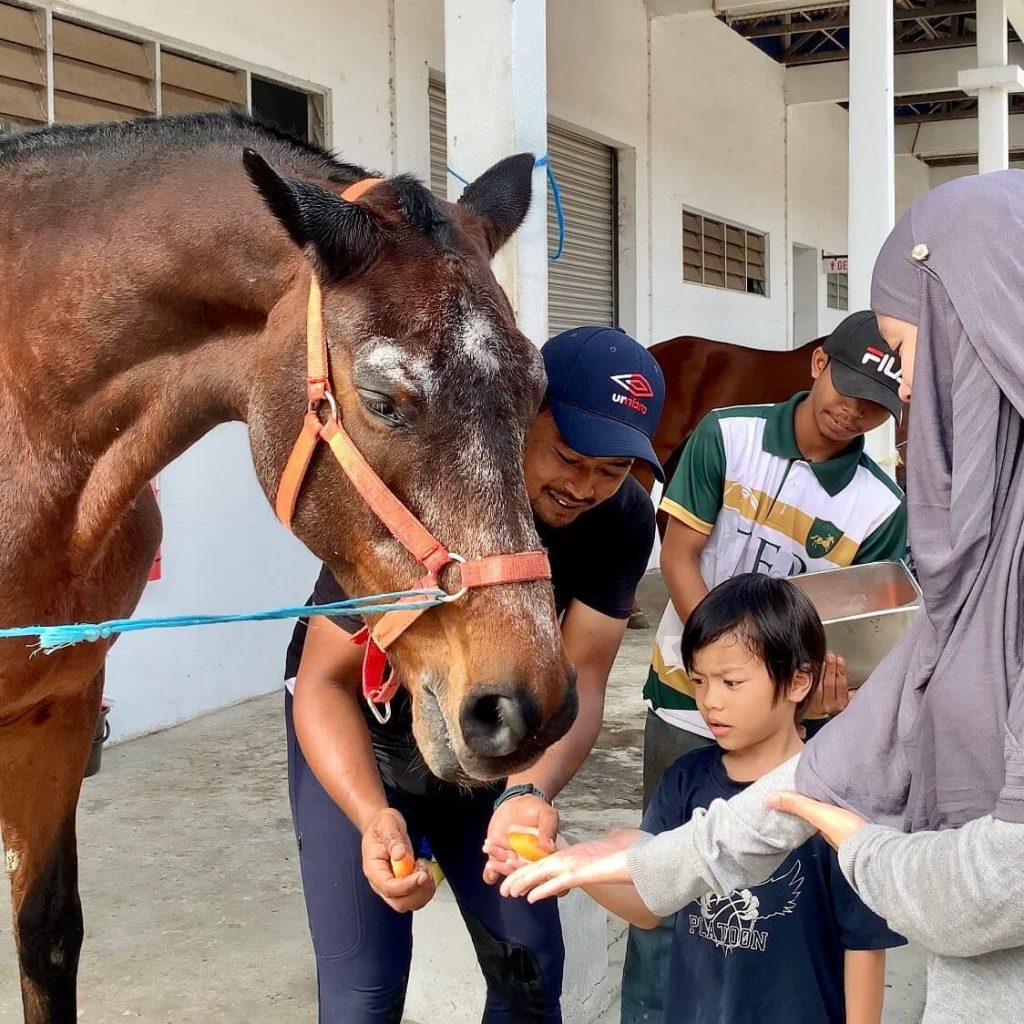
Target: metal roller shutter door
[582, 283]
[438, 140]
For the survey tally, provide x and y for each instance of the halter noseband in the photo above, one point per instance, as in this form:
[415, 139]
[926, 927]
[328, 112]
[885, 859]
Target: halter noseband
[379, 682]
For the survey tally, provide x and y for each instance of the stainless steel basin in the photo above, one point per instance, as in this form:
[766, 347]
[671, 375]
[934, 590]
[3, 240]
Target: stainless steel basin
[865, 610]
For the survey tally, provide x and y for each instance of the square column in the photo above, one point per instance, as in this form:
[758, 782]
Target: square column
[872, 194]
[992, 82]
[496, 90]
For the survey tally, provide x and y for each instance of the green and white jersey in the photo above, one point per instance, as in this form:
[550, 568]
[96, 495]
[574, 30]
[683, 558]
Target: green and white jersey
[764, 508]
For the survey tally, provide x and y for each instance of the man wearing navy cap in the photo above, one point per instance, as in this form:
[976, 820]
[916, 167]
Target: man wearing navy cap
[358, 787]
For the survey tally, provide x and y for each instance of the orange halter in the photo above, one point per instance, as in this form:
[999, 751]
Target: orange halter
[379, 683]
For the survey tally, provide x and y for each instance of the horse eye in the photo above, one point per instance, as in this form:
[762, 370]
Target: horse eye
[381, 407]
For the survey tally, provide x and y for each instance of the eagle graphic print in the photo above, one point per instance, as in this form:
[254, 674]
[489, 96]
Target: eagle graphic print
[732, 922]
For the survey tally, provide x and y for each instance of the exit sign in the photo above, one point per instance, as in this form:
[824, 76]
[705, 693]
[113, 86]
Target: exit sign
[836, 264]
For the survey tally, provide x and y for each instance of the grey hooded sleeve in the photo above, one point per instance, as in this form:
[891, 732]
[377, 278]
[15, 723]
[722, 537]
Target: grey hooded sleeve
[957, 893]
[734, 843]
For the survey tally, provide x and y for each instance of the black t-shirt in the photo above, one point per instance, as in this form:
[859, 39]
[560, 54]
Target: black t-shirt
[773, 952]
[598, 560]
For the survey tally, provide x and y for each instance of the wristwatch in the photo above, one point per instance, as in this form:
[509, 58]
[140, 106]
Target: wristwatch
[523, 789]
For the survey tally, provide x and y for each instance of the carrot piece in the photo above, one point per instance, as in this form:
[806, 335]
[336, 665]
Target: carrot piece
[526, 842]
[403, 868]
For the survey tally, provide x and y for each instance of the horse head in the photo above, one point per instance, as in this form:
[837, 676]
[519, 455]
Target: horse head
[437, 388]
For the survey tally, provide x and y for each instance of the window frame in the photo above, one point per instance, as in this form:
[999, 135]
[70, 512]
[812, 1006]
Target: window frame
[723, 262]
[318, 96]
[841, 287]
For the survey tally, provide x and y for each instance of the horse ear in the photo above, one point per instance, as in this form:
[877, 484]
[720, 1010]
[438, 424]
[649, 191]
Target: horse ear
[501, 197]
[344, 236]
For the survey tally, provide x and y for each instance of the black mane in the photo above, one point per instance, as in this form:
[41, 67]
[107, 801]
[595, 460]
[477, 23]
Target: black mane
[116, 140]
[183, 131]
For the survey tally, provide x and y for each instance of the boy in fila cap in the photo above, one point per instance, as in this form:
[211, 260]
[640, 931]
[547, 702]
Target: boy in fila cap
[780, 490]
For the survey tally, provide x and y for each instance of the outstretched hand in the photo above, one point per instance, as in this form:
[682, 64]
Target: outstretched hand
[597, 861]
[529, 811]
[836, 824]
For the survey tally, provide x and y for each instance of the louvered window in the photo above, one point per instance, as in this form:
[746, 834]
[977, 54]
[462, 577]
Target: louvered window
[837, 291]
[99, 75]
[723, 255]
[188, 84]
[22, 68]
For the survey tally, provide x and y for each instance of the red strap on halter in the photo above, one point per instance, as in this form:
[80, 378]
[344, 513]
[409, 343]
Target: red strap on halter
[379, 683]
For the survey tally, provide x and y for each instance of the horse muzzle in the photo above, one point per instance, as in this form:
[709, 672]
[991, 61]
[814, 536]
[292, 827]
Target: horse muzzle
[499, 728]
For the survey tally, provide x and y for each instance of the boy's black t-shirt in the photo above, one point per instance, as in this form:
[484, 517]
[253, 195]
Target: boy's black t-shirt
[598, 560]
[770, 953]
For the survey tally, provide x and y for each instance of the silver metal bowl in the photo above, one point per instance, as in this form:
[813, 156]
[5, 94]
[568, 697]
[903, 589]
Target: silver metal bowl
[865, 610]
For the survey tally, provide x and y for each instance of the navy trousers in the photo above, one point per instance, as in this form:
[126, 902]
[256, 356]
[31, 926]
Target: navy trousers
[364, 948]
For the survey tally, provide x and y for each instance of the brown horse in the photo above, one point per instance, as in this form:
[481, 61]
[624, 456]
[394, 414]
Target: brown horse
[149, 292]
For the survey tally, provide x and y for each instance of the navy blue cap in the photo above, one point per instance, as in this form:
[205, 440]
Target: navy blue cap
[605, 391]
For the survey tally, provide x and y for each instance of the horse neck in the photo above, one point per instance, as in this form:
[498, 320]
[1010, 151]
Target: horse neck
[154, 346]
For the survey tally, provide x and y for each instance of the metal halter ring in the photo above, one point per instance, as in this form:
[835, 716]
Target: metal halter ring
[461, 593]
[383, 717]
[331, 404]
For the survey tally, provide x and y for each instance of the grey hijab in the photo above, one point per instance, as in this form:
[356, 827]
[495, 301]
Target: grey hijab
[935, 738]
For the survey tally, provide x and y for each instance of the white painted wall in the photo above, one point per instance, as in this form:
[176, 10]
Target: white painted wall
[817, 158]
[720, 149]
[597, 84]
[223, 552]
[912, 180]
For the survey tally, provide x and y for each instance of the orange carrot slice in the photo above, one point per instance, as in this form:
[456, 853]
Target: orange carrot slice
[526, 842]
[404, 867]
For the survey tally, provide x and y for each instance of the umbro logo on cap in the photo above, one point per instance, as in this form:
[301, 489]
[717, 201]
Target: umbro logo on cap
[635, 384]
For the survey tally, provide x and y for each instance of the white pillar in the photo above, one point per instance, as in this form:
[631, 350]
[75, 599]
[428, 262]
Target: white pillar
[993, 102]
[496, 89]
[993, 81]
[872, 189]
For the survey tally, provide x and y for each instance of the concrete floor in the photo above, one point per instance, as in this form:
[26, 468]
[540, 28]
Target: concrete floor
[189, 878]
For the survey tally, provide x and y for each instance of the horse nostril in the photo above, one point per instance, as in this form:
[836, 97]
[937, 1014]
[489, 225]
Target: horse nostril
[496, 719]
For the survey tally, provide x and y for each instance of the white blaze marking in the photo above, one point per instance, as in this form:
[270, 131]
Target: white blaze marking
[12, 858]
[474, 338]
[388, 358]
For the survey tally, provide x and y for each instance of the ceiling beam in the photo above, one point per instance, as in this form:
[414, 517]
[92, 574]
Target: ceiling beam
[918, 46]
[949, 138]
[967, 159]
[834, 21]
[915, 73]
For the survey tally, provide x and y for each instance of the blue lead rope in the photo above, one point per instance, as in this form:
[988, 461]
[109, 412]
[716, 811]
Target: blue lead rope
[54, 638]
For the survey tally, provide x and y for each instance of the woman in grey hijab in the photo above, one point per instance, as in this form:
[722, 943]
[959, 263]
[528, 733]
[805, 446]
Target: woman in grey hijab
[932, 750]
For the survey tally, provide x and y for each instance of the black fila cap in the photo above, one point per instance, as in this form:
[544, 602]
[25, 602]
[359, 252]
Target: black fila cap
[863, 365]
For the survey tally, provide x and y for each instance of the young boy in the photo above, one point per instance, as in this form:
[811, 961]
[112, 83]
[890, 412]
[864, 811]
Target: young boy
[801, 948]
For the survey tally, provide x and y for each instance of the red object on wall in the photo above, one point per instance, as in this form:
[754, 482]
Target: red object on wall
[155, 570]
